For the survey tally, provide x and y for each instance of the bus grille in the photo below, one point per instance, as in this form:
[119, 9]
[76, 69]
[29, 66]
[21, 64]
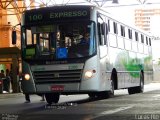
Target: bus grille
[57, 76]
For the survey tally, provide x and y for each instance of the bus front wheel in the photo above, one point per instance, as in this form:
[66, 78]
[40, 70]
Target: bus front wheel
[110, 93]
[52, 97]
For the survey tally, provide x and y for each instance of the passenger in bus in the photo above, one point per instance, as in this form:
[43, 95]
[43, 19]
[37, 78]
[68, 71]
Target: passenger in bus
[85, 40]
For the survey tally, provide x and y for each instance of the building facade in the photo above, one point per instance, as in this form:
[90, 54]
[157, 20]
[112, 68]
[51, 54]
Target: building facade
[143, 17]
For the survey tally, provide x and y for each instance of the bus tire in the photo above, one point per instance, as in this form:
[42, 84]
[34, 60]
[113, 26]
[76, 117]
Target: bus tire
[114, 78]
[52, 97]
[93, 95]
[138, 89]
[107, 94]
[132, 90]
[97, 95]
[111, 92]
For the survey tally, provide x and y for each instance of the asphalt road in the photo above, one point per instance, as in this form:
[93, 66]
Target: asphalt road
[143, 106]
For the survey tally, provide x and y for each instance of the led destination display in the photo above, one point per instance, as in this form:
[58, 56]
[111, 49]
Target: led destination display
[52, 14]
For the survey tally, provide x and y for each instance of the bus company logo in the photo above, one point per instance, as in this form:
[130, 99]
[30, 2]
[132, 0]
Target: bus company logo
[56, 75]
[55, 62]
[39, 69]
[72, 67]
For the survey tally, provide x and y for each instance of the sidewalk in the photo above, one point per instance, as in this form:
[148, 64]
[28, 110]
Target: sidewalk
[155, 81]
[10, 95]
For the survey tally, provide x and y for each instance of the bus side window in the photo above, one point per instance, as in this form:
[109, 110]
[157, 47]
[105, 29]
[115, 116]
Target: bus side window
[108, 25]
[115, 28]
[106, 34]
[150, 42]
[101, 31]
[107, 30]
[142, 38]
[129, 33]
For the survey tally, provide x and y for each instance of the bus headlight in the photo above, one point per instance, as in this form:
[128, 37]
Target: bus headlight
[26, 76]
[89, 73]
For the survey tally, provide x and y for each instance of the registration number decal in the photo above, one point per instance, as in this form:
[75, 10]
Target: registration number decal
[57, 88]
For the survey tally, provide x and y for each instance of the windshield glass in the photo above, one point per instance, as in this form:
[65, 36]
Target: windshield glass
[59, 41]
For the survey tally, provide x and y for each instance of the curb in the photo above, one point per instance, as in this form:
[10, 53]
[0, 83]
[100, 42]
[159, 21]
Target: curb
[10, 95]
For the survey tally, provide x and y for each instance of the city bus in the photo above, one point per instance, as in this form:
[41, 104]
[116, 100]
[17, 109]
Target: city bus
[54, 62]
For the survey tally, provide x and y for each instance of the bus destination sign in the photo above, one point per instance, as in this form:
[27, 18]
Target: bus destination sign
[52, 14]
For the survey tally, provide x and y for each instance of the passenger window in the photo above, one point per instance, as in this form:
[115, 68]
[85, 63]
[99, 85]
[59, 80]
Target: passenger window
[146, 40]
[115, 27]
[122, 31]
[101, 29]
[136, 36]
[142, 38]
[150, 41]
[108, 25]
[129, 33]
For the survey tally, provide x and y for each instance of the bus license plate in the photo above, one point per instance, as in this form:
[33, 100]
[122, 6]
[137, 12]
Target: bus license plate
[57, 88]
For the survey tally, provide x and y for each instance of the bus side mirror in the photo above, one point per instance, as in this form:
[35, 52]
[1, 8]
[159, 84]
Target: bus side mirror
[14, 37]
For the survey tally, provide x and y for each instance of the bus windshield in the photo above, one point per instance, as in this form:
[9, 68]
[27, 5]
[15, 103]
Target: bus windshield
[59, 41]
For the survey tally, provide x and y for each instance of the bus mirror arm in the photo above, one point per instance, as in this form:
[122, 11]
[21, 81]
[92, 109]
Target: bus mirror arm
[14, 35]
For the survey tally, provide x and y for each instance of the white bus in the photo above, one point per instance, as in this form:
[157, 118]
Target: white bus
[54, 62]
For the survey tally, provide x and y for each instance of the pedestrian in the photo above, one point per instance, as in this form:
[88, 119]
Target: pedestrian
[8, 80]
[42, 96]
[27, 97]
[20, 81]
[2, 77]
[11, 76]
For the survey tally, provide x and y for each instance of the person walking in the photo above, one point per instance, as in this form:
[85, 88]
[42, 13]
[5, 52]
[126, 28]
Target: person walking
[11, 76]
[2, 77]
[8, 80]
[27, 97]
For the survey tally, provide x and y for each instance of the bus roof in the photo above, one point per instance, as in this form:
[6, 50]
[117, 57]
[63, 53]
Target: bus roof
[56, 13]
[69, 12]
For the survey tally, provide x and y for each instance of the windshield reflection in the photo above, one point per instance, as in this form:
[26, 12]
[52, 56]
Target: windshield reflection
[62, 41]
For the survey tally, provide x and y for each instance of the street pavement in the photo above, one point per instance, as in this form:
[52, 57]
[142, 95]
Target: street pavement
[143, 106]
